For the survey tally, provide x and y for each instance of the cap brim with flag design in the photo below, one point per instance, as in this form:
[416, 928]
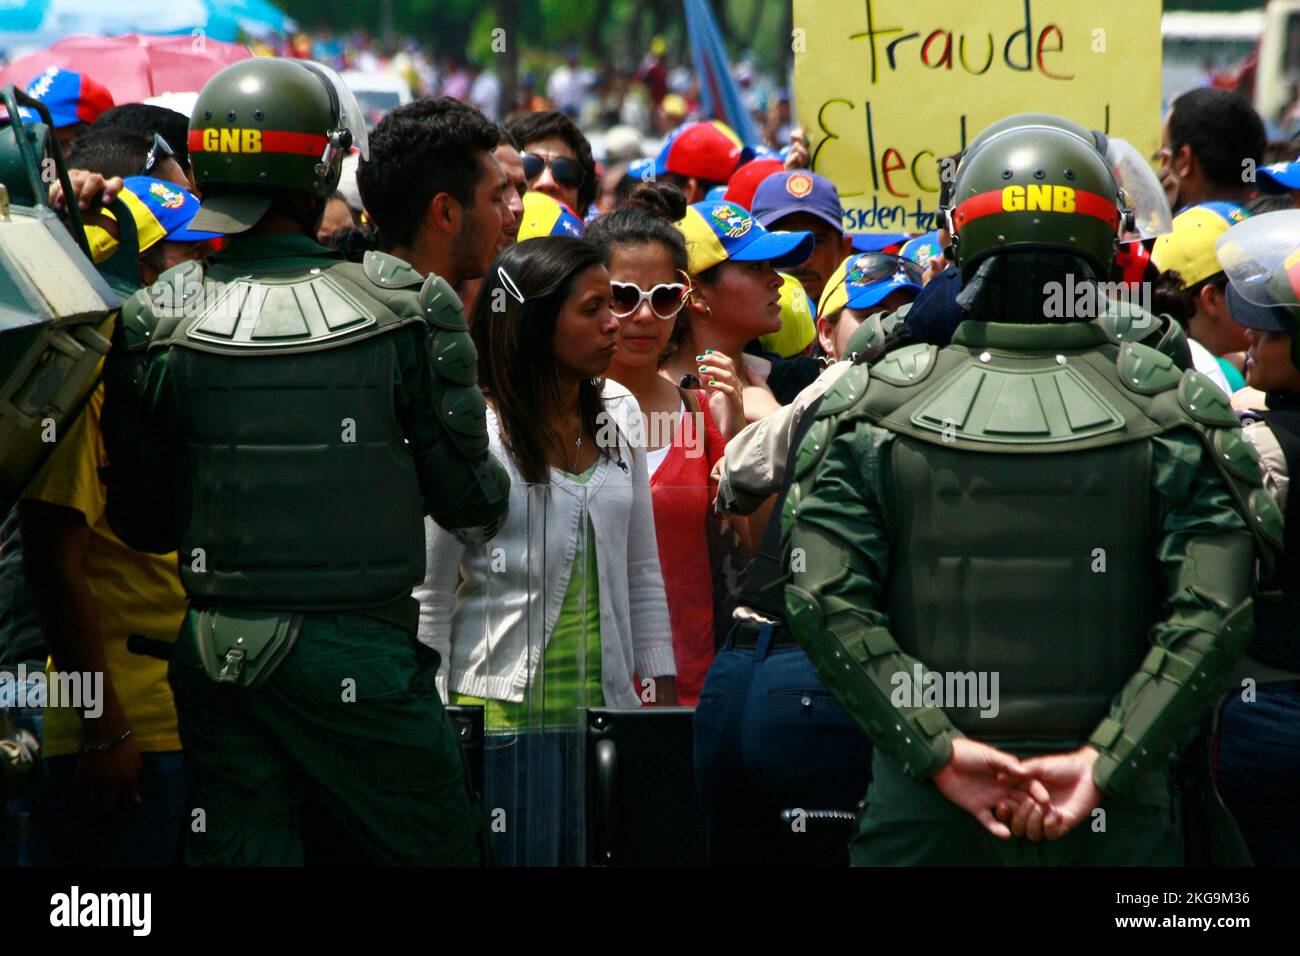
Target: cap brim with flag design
[850, 289]
[1279, 177]
[717, 232]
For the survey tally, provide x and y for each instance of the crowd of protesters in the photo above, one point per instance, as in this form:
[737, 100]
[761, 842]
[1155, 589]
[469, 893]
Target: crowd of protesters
[700, 299]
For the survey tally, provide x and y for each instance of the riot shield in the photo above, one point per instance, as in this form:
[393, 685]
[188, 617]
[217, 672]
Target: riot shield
[56, 311]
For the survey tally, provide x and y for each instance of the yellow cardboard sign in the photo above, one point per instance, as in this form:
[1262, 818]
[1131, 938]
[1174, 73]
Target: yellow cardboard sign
[886, 88]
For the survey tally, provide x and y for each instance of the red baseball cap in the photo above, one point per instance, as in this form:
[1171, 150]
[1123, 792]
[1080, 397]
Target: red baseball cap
[71, 97]
[708, 150]
[744, 181]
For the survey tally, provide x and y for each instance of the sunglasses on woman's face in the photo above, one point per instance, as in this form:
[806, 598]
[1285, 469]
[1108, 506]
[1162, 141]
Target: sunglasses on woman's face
[566, 172]
[666, 299]
[157, 153]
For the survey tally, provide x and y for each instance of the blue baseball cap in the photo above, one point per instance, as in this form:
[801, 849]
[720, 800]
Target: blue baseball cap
[721, 231]
[1279, 177]
[71, 97]
[866, 279]
[922, 249]
[715, 194]
[168, 205]
[797, 190]
[874, 242]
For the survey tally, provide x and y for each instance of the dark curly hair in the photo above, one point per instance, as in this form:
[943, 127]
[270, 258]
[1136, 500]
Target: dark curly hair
[434, 145]
[531, 127]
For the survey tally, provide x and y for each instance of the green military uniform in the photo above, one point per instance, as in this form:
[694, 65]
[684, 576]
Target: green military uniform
[1030, 503]
[284, 419]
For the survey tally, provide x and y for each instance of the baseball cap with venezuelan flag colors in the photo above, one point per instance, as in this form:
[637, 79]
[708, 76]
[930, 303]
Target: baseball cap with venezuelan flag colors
[866, 279]
[545, 216]
[1189, 249]
[708, 150]
[161, 210]
[718, 232]
[922, 248]
[798, 324]
[71, 97]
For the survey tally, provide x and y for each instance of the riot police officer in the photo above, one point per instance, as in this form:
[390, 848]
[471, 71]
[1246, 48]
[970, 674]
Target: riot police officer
[284, 419]
[1024, 562]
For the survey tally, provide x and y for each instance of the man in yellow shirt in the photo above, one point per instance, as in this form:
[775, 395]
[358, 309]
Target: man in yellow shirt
[113, 791]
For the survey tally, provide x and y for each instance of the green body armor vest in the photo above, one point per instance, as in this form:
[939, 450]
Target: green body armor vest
[295, 487]
[1022, 527]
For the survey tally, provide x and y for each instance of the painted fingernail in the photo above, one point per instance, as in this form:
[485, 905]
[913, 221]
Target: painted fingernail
[708, 352]
[706, 368]
[699, 358]
[712, 382]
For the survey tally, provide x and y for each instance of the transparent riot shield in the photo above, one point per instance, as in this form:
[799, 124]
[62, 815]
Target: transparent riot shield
[525, 636]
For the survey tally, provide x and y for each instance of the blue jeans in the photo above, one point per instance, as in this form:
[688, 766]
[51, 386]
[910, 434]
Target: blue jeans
[534, 797]
[770, 737]
[65, 831]
[1258, 770]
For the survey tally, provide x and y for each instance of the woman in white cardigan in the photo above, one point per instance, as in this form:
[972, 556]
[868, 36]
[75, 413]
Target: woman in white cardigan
[564, 608]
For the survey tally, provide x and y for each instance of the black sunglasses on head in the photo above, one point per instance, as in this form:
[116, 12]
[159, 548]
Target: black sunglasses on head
[566, 171]
[159, 151]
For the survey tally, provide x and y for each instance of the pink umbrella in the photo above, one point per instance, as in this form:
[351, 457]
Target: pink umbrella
[133, 67]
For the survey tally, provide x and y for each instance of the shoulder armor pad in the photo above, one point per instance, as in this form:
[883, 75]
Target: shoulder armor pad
[1145, 370]
[906, 366]
[1238, 457]
[389, 272]
[464, 413]
[1266, 517]
[137, 322]
[812, 447]
[845, 393]
[454, 356]
[283, 313]
[1204, 401]
[1125, 322]
[442, 307]
[151, 314]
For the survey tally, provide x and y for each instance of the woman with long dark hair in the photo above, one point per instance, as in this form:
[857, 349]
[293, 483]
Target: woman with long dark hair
[564, 608]
[686, 429]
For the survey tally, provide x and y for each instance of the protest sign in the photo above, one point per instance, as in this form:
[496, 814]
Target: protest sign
[886, 88]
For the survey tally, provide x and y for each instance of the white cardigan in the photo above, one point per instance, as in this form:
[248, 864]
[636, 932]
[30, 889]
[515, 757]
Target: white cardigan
[491, 632]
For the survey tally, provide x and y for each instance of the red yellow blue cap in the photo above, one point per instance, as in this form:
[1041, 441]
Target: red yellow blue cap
[546, 216]
[720, 231]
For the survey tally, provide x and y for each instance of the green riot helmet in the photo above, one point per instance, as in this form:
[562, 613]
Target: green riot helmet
[1036, 186]
[269, 123]
[1261, 257]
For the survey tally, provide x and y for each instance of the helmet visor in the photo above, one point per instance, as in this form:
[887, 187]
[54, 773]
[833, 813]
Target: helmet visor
[1142, 191]
[350, 113]
[1261, 256]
